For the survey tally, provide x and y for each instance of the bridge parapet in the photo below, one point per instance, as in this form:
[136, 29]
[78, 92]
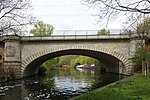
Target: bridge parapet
[73, 34]
[66, 32]
[75, 37]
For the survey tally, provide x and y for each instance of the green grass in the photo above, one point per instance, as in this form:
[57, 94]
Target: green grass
[136, 87]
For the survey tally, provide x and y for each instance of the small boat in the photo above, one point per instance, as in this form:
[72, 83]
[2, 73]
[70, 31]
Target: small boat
[79, 66]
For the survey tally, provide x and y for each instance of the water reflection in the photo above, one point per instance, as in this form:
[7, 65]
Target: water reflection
[57, 84]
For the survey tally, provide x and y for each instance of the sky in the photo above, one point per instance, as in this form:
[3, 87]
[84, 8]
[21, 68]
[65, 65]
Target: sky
[69, 15]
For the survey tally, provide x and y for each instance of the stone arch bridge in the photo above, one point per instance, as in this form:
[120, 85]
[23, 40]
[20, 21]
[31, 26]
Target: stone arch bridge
[22, 55]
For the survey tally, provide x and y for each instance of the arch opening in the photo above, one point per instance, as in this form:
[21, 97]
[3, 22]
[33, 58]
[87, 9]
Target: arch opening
[111, 62]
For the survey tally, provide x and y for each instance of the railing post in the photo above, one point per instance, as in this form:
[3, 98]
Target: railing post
[120, 34]
[97, 34]
[86, 33]
[75, 33]
[64, 34]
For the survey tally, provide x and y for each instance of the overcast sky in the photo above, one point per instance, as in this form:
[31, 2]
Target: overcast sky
[68, 15]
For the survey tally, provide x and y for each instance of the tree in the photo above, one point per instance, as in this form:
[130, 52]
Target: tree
[15, 15]
[42, 29]
[144, 26]
[110, 9]
[141, 30]
[142, 54]
[50, 64]
[66, 59]
[83, 60]
[103, 32]
[142, 57]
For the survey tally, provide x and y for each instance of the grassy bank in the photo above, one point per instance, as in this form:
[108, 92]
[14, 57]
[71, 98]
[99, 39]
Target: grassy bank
[136, 87]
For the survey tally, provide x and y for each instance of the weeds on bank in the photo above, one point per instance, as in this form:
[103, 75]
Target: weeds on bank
[136, 87]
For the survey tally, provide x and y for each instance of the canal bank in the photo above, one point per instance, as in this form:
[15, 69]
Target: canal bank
[136, 87]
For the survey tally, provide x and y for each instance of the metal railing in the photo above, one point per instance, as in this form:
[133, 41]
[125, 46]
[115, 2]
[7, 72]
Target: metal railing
[67, 33]
[75, 34]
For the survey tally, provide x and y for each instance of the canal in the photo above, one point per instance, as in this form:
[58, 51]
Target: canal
[56, 84]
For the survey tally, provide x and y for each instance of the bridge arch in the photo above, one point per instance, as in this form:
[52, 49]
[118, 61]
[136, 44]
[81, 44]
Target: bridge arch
[38, 58]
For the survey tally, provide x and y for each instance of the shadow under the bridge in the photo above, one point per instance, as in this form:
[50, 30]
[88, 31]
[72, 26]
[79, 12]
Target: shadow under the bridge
[112, 63]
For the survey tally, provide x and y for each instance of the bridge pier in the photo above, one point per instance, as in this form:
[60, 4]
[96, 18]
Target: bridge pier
[12, 57]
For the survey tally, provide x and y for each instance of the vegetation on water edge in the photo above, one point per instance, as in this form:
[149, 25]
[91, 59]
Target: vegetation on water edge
[71, 60]
[136, 87]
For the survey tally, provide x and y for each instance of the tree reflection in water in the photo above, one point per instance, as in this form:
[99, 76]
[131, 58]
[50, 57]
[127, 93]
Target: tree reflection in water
[57, 84]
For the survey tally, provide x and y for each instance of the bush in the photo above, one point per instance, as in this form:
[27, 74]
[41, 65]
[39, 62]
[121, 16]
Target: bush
[42, 70]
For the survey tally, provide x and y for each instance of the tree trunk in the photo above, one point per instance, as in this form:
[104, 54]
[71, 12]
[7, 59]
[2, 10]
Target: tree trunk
[147, 68]
[143, 65]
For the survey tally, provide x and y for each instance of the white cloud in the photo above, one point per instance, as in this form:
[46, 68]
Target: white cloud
[66, 23]
[67, 15]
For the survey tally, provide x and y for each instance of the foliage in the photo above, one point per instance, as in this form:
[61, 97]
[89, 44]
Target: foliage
[83, 60]
[142, 57]
[42, 71]
[42, 29]
[143, 27]
[103, 32]
[133, 88]
[66, 59]
[50, 64]
[141, 54]
[71, 60]
[15, 15]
